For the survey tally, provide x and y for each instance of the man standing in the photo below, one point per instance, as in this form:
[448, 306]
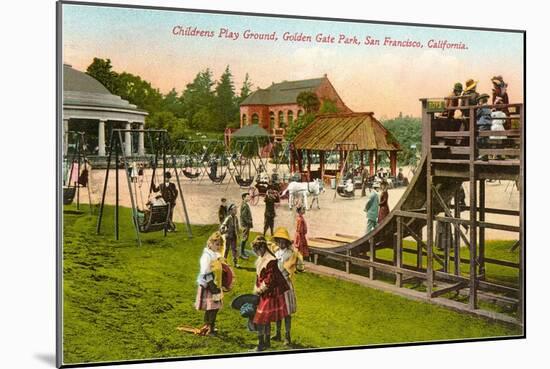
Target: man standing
[371, 208]
[230, 228]
[169, 194]
[269, 214]
[222, 210]
[246, 223]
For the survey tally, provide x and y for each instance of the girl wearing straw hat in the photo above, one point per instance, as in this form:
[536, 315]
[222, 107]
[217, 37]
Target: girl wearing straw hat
[470, 96]
[271, 287]
[289, 261]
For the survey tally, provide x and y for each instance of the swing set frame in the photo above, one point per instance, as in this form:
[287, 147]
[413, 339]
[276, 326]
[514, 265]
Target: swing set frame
[116, 149]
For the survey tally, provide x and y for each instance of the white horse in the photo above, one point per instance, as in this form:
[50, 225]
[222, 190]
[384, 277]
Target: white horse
[304, 189]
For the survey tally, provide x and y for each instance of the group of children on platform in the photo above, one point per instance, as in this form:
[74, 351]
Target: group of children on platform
[487, 119]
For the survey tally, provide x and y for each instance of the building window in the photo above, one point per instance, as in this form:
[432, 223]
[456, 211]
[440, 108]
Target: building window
[255, 118]
[290, 117]
[281, 120]
[244, 120]
[300, 112]
[271, 120]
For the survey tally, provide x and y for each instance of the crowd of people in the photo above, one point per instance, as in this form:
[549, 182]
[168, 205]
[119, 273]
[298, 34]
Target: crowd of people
[279, 258]
[377, 207]
[273, 299]
[487, 119]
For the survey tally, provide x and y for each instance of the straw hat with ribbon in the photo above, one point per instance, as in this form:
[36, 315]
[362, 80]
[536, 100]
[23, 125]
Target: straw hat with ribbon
[470, 85]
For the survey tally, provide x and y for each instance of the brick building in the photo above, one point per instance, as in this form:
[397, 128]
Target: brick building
[275, 108]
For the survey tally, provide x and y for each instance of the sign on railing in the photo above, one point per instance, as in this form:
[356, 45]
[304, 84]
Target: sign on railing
[435, 106]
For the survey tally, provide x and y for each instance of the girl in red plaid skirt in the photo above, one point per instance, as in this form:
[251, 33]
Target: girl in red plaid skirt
[271, 287]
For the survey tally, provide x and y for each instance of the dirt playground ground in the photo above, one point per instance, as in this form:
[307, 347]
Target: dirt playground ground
[336, 214]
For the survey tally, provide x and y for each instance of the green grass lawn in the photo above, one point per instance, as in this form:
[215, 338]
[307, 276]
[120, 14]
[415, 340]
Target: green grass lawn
[124, 302]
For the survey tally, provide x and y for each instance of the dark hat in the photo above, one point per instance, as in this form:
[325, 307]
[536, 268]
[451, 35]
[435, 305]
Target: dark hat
[482, 97]
[457, 87]
[167, 175]
[259, 242]
[497, 80]
[247, 298]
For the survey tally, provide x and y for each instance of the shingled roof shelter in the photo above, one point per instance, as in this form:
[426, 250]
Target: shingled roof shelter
[344, 133]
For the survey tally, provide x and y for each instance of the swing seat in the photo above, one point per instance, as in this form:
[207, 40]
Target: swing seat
[216, 179]
[157, 220]
[244, 182]
[190, 175]
[68, 195]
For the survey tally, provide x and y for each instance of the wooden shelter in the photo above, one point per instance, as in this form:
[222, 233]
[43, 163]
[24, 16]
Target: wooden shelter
[343, 133]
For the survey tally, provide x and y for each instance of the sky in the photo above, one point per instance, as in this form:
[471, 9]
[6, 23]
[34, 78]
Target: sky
[383, 79]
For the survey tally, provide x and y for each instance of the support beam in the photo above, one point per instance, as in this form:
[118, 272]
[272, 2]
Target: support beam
[393, 163]
[371, 163]
[399, 252]
[473, 213]
[101, 138]
[448, 214]
[454, 287]
[481, 270]
[141, 140]
[371, 257]
[456, 240]
[128, 140]
[322, 164]
[65, 136]
[429, 209]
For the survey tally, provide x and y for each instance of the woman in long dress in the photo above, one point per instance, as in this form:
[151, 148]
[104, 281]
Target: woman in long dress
[300, 240]
[384, 208]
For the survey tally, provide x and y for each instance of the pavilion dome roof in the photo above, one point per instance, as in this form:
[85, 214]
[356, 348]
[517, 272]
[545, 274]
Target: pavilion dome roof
[81, 89]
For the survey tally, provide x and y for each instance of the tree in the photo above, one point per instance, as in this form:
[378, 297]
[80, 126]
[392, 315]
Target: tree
[309, 101]
[225, 103]
[246, 89]
[407, 131]
[172, 103]
[167, 120]
[138, 92]
[198, 95]
[298, 126]
[101, 69]
[328, 106]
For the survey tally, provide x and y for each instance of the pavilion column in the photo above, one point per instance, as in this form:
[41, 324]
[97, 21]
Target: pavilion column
[393, 163]
[308, 153]
[300, 161]
[371, 163]
[141, 141]
[292, 159]
[101, 138]
[128, 139]
[65, 136]
[322, 165]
